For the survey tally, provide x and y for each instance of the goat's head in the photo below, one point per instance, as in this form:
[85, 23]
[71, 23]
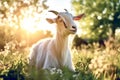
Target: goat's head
[65, 22]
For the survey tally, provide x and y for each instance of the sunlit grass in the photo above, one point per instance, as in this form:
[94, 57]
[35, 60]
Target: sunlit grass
[90, 64]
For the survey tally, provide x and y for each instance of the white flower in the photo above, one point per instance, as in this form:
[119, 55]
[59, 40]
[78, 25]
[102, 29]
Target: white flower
[74, 76]
[59, 71]
[52, 70]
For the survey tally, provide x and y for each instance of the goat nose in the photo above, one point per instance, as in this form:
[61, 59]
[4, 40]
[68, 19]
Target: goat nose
[74, 27]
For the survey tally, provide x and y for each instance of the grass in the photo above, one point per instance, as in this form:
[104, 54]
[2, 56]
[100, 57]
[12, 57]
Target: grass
[90, 64]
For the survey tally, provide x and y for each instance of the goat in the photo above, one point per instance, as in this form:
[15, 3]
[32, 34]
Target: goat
[54, 52]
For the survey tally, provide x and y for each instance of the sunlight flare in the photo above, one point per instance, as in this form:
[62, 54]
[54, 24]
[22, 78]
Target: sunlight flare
[29, 25]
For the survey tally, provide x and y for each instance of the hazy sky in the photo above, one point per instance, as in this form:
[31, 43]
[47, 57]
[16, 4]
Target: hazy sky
[59, 4]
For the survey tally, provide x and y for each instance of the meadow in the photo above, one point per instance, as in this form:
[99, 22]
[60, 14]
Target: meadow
[91, 63]
[20, 27]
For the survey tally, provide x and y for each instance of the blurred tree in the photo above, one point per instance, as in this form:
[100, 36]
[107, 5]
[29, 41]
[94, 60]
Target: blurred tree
[13, 13]
[101, 16]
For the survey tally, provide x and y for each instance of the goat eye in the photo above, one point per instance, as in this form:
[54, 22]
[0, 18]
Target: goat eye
[59, 18]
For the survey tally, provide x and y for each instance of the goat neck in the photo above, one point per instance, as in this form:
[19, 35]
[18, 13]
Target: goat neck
[61, 45]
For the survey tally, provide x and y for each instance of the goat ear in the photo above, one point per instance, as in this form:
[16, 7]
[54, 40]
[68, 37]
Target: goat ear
[78, 17]
[50, 20]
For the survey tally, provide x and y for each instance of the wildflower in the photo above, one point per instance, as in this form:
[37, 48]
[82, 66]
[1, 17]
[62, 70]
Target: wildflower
[74, 76]
[52, 71]
[59, 71]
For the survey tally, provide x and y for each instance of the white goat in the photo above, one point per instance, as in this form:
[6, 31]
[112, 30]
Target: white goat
[54, 52]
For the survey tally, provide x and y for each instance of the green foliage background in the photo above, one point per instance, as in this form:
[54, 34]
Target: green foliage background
[102, 17]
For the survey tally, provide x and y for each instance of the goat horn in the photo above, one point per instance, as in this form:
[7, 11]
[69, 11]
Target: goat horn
[66, 10]
[55, 12]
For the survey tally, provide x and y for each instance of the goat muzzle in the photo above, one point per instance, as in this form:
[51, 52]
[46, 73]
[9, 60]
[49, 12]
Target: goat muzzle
[73, 29]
